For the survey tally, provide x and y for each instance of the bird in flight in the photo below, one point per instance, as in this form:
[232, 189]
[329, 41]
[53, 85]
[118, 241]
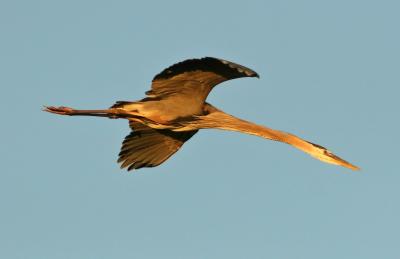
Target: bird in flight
[175, 109]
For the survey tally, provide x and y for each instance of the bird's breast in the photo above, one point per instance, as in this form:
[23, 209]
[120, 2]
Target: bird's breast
[164, 111]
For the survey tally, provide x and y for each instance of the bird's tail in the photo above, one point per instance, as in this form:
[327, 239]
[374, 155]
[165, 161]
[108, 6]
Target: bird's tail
[121, 104]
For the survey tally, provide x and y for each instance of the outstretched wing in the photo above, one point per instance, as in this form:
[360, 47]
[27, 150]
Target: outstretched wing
[195, 78]
[148, 147]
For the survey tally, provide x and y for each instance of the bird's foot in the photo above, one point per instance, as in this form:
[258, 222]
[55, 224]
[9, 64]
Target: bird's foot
[59, 110]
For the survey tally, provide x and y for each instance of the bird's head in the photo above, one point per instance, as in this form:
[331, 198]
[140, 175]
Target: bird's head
[327, 156]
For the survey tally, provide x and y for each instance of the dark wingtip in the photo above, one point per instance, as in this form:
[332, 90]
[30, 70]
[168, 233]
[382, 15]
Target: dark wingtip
[223, 67]
[239, 68]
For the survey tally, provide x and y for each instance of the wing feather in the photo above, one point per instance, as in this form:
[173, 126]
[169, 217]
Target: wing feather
[196, 76]
[148, 147]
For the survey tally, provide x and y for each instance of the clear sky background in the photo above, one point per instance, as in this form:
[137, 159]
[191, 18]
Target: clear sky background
[329, 73]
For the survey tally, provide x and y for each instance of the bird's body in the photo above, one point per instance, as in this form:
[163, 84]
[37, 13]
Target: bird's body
[175, 109]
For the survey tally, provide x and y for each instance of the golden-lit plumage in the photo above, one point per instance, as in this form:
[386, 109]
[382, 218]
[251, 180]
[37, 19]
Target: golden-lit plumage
[175, 109]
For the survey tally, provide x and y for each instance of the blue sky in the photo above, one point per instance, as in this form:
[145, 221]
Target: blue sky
[329, 73]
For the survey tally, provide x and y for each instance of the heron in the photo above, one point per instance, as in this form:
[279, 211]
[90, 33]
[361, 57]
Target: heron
[175, 109]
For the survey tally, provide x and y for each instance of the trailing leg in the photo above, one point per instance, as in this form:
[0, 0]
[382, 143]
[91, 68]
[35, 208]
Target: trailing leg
[112, 113]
